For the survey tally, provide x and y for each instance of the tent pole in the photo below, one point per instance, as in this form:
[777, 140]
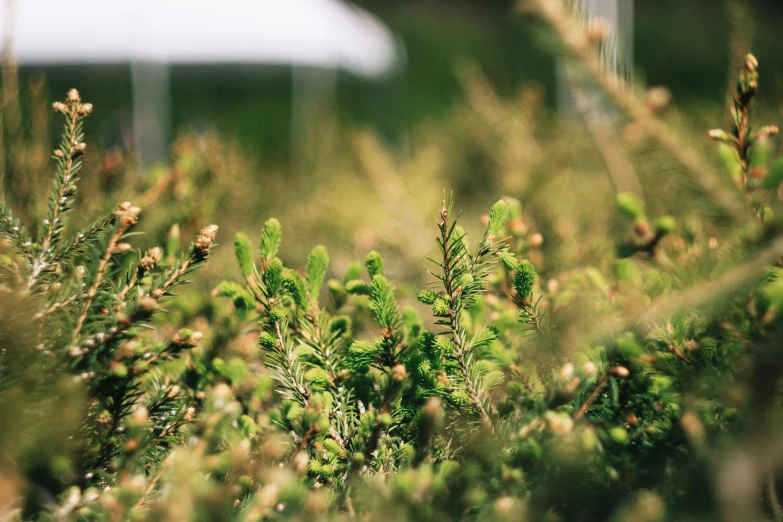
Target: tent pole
[151, 113]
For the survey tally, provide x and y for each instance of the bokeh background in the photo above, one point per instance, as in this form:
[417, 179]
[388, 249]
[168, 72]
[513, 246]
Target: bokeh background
[473, 110]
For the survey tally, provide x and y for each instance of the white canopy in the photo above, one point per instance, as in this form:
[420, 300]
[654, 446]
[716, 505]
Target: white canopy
[316, 33]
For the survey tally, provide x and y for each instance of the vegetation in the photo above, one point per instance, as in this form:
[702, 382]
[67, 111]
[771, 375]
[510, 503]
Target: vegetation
[521, 382]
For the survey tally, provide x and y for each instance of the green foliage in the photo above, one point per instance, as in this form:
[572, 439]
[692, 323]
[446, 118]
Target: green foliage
[270, 239]
[513, 387]
[315, 272]
[630, 206]
[86, 302]
[244, 253]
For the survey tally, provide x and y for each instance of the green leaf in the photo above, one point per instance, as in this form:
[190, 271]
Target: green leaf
[357, 287]
[360, 355]
[731, 161]
[354, 272]
[315, 272]
[774, 176]
[508, 259]
[244, 252]
[630, 206]
[270, 238]
[295, 285]
[374, 263]
[318, 377]
[483, 337]
[492, 380]
[426, 297]
[382, 303]
[524, 278]
[273, 277]
[241, 298]
[498, 217]
[514, 207]
[665, 225]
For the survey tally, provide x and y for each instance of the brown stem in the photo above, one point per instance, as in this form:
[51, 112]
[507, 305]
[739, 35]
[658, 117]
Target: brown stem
[593, 396]
[55, 306]
[98, 279]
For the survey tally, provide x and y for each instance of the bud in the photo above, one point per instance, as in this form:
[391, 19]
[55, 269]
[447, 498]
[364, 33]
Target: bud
[630, 206]
[619, 371]
[433, 408]
[140, 416]
[658, 98]
[73, 96]
[148, 304]
[60, 107]
[665, 225]
[130, 215]
[567, 371]
[597, 30]
[692, 425]
[147, 263]
[399, 372]
[751, 63]
[718, 135]
[536, 240]
[80, 147]
[121, 248]
[85, 109]
[58, 153]
[558, 423]
[301, 460]
[641, 229]
[206, 238]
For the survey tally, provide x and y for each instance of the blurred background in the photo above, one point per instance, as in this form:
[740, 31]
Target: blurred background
[348, 120]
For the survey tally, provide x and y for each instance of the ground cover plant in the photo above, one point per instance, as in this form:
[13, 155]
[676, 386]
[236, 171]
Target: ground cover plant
[643, 388]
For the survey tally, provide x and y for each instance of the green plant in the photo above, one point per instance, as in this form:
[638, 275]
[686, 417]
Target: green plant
[637, 384]
[85, 303]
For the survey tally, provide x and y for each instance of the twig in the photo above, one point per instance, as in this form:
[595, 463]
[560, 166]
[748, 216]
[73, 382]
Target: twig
[456, 331]
[688, 299]
[593, 396]
[620, 92]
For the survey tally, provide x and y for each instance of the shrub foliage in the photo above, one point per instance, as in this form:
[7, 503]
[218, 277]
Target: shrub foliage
[648, 392]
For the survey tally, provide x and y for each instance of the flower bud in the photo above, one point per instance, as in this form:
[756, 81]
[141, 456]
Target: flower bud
[658, 98]
[536, 240]
[751, 62]
[399, 372]
[718, 135]
[620, 371]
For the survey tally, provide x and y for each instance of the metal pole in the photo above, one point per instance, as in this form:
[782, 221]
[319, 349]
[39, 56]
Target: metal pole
[151, 113]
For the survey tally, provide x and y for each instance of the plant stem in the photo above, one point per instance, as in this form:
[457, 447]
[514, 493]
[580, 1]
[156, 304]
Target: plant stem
[98, 279]
[593, 396]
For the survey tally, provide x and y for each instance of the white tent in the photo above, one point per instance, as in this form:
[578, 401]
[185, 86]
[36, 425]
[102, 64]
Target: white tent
[150, 34]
